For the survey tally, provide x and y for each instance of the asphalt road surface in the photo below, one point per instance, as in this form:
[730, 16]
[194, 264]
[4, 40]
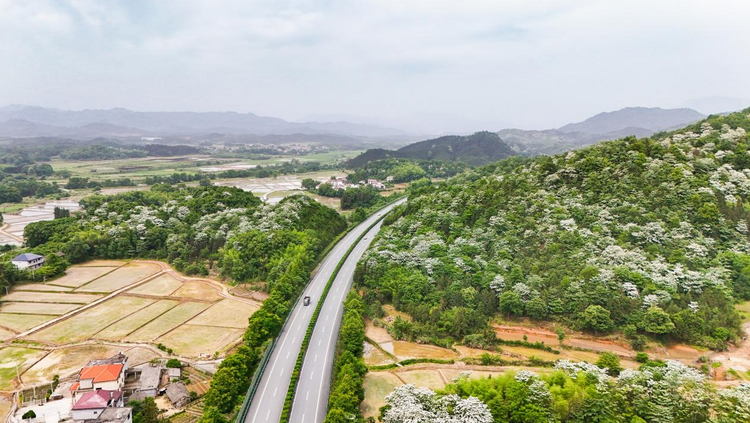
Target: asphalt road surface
[268, 402]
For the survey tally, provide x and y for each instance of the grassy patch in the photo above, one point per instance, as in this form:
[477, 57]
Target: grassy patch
[130, 324]
[50, 297]
[377, 385]
[66, 362]
[14, 359]
[120, 278]
[22, 322]
[167, 321]
[84, 325]
[226, 313]
[53, 309]
[193, 340]
[162, 285]
[78, 275]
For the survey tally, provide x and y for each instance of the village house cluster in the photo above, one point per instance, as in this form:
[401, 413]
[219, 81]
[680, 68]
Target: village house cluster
[340, 183]
[102, 389]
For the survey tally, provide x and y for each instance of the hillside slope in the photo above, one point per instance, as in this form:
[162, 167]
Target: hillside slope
[644, 236]
[476, 149]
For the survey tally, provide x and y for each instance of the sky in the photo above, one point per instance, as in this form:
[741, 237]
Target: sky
[421, 65]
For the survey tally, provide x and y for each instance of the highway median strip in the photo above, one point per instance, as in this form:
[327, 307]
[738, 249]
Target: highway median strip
[286, 412]
[244, 408]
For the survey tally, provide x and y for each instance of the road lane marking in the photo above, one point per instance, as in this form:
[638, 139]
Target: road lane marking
[274, 391]
[296, 314]
[316, 358]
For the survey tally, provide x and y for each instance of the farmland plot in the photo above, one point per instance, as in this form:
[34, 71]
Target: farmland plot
[226, 313]
[38, 308]
[78, 275]
[162, 286]
[84, 325]
[193, 340]
[22, 322]
[50, 297]
[120, 278]
[197, 290]
[130, 324]
[167, 321]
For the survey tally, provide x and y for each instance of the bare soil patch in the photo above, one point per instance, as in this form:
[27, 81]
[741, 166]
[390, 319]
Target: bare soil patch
[130, 324]
[167, 321]
[50, 297]
[52, 309]
[122, 277]
[84, 325]
[194, 340]
[65, 362]
[197, 290]
[81, 275]
[41, 287]
[161, 286]
[226, 313]
[404, 350]
[379, 335]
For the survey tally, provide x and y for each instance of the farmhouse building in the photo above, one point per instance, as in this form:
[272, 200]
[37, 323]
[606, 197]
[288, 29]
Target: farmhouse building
[91, 404]
[178, 394]
[102, 374]
[114, 415]
[28, 261]
[144, 380]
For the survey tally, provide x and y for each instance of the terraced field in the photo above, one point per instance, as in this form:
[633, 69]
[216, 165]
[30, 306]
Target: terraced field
[115, 304]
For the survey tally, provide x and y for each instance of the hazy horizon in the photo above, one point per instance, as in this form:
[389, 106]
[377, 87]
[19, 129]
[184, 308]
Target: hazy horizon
[421, 66]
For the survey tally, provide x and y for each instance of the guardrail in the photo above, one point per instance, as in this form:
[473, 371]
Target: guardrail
[257, 376]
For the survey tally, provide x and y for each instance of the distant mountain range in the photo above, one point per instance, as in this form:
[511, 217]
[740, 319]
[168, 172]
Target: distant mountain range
[31, 121]
[637, 121]
[487, 147]
[476, 149]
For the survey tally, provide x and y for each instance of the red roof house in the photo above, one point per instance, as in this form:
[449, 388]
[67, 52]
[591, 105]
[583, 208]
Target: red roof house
[110, 377]
[92, 404]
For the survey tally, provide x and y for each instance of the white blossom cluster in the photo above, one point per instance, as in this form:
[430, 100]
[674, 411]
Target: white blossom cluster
[410, 404]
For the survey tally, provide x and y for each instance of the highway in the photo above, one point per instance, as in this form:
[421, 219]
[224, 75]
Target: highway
[268, 402]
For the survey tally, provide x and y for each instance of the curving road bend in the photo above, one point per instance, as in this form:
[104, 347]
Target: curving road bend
[268, 402]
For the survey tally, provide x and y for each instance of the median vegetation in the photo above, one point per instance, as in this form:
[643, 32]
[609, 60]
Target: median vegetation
[349, 372]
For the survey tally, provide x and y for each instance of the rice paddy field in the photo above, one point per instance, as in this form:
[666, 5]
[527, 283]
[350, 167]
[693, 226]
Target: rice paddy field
[114, 304]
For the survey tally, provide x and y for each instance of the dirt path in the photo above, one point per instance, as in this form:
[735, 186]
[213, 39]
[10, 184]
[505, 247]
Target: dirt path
[8, 235]
[737, 358]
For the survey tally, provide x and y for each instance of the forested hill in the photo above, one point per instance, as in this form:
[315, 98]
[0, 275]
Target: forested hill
[477, 149]
[648, 237]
